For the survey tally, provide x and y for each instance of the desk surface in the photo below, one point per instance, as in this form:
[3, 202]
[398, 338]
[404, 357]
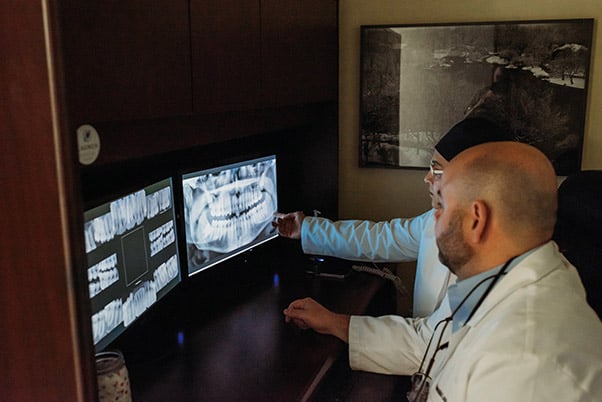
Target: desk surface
[247, 352]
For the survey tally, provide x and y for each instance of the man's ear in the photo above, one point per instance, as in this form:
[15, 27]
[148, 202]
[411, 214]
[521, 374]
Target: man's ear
[479, 219]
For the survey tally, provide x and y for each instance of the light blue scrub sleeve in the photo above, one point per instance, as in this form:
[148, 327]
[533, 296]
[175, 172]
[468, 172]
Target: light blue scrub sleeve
[396, 240]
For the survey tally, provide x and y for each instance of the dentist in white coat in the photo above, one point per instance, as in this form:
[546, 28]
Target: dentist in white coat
[520, 327]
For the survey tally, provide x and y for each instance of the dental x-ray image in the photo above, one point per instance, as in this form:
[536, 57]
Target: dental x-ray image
[228, 210]
[132, 253]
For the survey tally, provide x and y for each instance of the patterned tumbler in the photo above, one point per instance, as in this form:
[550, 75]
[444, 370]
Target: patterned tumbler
[113, 379]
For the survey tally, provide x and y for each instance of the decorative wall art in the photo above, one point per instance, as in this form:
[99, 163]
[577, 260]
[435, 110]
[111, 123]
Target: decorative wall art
[417, 81]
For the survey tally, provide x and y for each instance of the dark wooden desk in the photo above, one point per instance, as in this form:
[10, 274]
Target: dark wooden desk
[246, 351]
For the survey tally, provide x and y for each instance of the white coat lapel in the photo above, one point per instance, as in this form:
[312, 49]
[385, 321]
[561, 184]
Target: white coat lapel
[444, 375]
[531, 269]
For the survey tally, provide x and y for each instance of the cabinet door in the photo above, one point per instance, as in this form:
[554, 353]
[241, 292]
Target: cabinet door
[43, 345]
[126, 59]
[226, 54]
[300, 51]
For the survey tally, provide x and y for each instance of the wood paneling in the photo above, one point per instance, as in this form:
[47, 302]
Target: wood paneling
[127, 68]
[226, 54]
[126, 59]
[39, 340]
[300, 51]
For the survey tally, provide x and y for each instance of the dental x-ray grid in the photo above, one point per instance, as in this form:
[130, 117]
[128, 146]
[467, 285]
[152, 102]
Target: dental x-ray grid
[228, 210]
[132, 254]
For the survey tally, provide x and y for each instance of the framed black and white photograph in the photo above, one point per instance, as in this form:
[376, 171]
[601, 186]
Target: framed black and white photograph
[417, 81]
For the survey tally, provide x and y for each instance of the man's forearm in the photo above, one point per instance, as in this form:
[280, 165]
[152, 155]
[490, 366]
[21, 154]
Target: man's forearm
[340, 327]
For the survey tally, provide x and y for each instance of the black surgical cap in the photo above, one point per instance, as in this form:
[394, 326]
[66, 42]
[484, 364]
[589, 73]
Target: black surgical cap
[468, 133]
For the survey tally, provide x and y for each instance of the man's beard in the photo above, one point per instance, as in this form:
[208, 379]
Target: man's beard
[454, 252]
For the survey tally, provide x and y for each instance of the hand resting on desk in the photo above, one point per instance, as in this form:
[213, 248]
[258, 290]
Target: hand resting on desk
[308, 313]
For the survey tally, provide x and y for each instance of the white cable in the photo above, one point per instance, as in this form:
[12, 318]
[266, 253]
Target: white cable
[384, 273]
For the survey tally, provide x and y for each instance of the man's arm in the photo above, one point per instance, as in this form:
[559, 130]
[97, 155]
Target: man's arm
[309, 314]
[361, 240]
[387, 344]
[289, 225]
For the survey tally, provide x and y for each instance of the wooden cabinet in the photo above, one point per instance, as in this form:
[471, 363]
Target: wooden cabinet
[253, 54]
[145, 59]
[299, 51]
[157, 76]
[226, 49]
[126, 66]
[45, 356]
[125, 60]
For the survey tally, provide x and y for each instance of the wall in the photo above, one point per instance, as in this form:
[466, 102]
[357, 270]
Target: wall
[384, 193]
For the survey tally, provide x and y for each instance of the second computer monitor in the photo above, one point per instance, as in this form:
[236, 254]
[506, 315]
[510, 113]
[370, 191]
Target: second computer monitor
[133, 261]
[228, 210]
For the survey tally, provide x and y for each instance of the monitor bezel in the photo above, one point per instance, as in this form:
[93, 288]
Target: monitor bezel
[215, 165]
[107, 198]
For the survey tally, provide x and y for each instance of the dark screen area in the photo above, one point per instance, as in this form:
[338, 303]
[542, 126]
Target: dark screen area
[135, 259]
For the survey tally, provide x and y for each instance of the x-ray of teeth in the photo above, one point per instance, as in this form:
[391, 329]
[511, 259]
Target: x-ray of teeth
[161, 237]
[141, 298]
[103, 275]
[229, 209]
[98, 231]
[134, 234]
[166, 272]
[158, 202]
[129, 211]
[106, 320]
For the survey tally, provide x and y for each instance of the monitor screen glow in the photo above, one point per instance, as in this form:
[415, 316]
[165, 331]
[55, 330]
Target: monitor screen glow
[228, 210]
[132, 254]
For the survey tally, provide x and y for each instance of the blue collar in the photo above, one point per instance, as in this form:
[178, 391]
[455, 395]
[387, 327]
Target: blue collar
[459, 290]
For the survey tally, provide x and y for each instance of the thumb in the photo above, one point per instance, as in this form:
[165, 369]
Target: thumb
[292, 315]
[295, 309]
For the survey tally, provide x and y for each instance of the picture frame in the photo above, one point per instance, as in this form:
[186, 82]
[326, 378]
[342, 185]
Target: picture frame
[418, 80]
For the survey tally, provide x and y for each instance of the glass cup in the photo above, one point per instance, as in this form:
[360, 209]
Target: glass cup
[113, 378]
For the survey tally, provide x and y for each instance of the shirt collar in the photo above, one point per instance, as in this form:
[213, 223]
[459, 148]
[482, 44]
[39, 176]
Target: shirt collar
[459, 290]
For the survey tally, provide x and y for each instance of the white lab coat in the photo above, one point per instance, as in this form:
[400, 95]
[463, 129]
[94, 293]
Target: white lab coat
[397, 240]
[534, 338]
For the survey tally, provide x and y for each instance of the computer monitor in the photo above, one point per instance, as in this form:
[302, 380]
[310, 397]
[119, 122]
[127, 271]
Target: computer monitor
[132, 254]
[228, 210]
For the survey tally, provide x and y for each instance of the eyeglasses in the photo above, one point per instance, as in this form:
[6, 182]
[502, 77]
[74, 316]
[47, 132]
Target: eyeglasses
[436, 173]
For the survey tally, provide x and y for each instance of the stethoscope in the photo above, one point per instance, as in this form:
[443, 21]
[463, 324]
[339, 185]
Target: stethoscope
[420, 379]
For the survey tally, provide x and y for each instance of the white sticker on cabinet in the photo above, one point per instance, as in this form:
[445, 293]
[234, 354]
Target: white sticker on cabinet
[88, 143]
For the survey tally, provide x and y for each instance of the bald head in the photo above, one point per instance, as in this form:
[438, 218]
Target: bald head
[516, 181]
